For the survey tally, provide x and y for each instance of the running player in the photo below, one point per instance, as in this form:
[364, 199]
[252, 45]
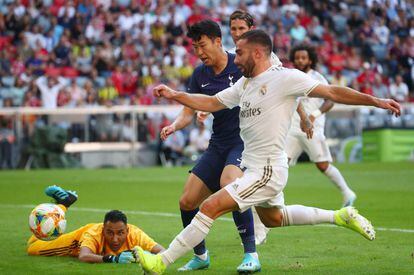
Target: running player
[267, 96]
[219, 164]
[304, 58]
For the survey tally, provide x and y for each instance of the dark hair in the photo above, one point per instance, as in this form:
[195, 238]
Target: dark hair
[115, 216]
[205, 27]
[258, 37]
[242, 15]
[309, 49]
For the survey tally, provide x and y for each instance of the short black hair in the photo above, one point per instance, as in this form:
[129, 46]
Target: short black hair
[205, 27]
[242, 15]
[258, 37]
[115, 216]
[309, 49]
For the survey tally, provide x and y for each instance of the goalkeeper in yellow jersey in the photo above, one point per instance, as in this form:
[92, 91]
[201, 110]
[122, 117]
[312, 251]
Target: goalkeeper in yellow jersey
[107, 242]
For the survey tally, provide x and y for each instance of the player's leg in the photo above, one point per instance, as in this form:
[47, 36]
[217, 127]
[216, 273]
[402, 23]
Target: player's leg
[66, 245]
[303, 215]
[194, 193]
[213, 207]
[202, 182]
[61, 196]
[244, 222]
[318, 151]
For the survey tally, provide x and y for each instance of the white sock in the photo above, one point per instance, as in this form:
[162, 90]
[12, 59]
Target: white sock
[192, 235]
[336, 177]
[303, 215]
[203, 256]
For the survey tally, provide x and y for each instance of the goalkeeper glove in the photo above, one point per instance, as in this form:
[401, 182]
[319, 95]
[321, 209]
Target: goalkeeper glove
[125, 257]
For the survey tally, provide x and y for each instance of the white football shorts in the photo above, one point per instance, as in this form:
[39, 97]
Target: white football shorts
[316, 148]
[259, 187]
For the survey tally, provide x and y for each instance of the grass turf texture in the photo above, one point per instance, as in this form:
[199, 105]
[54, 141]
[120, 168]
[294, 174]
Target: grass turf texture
[385, 196]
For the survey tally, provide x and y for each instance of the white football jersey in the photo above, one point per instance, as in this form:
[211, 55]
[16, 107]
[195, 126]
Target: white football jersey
[267, 103]
[274, 60]
[311, 104]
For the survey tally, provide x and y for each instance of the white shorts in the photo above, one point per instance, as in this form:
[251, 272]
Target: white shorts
[259, 187]
[316, 148]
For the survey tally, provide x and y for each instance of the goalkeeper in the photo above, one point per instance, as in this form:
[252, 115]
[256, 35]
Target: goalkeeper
[107, 242]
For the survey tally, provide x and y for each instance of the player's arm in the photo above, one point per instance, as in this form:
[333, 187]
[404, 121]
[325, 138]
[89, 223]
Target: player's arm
[86, 255]
[184, 118]
[325, 107]
[157, 249]
[195, 101]
[306, 124]
[350, 96]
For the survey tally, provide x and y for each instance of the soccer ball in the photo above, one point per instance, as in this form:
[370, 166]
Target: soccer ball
[47, 221]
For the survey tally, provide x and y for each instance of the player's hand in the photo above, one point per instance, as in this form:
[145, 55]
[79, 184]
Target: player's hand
[166, 131]
[202, 116]
[312, 118]
[390, 104]
[307, 127]
[163, 91]
[125, 257]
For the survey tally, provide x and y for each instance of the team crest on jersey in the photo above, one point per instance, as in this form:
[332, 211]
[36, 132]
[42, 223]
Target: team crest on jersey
[263, 90]
[231, 80]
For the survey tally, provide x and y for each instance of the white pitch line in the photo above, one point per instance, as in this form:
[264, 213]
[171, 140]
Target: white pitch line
[172, 215]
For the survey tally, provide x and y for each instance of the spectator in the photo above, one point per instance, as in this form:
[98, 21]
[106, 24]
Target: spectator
[379, 89]
[7, 137]
[399, 90]
[49, 88]
[173, 148]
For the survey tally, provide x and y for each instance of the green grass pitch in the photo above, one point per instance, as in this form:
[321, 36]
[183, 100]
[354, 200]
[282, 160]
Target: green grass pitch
[385, 195]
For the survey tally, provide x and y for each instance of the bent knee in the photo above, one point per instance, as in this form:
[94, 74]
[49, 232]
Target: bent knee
[210, 207]
[274, 221]
[322, 166]
[188, 204]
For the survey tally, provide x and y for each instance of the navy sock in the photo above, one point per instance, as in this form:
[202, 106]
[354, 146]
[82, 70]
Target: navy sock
[245, 226]
[187, 217]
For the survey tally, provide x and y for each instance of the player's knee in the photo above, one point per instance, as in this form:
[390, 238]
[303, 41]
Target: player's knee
[274, 221]
[187, 203]
[210, 207]
[322, 166]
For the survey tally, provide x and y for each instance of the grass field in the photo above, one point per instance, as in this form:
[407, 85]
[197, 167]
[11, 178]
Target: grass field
[150, 199]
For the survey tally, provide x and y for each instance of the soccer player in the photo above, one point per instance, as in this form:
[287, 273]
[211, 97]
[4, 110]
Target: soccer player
[267, 96]
[240, 22]
[219, 164]
[107, 242]
[304, 58]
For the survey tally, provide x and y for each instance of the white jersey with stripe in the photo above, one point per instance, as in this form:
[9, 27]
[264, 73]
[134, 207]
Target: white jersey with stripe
[267, 103]
[311, 104]
[274, 60]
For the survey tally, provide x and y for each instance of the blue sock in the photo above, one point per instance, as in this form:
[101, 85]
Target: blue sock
[245, 226]
[187, 217]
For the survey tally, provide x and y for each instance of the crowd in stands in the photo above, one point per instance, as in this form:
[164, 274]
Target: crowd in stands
[67, 53]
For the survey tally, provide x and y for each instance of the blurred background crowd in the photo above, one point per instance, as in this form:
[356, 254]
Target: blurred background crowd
[62, 54]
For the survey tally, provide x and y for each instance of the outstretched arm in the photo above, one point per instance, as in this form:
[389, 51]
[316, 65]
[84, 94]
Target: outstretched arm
[194, 101]
[350, 96]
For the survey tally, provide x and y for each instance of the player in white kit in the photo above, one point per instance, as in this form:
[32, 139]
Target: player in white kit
[267, 96]
[304, 58]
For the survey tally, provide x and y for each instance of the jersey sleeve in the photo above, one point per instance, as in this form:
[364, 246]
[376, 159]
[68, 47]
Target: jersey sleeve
[299, 84]
[140, 238]
[90, 240]
[230, 97]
